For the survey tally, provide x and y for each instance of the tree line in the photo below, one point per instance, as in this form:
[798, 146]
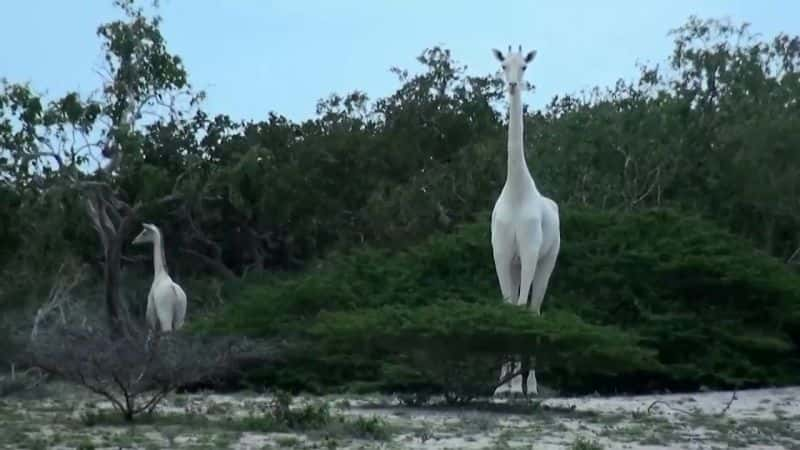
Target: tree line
[714, 131]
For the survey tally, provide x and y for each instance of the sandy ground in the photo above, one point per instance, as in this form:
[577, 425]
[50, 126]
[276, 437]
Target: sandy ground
[757, 419]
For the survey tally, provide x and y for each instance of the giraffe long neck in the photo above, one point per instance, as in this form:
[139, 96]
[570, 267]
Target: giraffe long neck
[517, 170]
[159, 260]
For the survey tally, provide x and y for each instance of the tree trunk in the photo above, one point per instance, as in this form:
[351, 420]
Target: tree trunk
[112, 227]
[110, 234]
[111, 279]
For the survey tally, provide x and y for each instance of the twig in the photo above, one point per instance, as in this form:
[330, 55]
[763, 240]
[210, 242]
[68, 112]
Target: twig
[58, 296]
[662, 402]
[728, 405]
[794, 256]
[689, 413]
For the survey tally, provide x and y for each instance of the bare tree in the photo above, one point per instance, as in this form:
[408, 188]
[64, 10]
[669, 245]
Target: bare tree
[131, 368]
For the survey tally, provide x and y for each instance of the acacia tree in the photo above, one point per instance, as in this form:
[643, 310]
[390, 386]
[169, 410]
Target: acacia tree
[78, 146]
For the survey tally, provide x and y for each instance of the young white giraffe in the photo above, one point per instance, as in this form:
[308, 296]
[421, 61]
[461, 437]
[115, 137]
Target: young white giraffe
[166, 302]
[526, 235]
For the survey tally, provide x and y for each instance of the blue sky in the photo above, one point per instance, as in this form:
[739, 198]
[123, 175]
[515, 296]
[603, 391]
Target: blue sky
[256, 56]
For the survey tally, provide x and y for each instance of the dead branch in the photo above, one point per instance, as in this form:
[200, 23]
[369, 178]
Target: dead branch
[510, 376]
[662, 402]
[59, 295]
[795, 258]
[728, 405]
[649, 189]
[689, 413]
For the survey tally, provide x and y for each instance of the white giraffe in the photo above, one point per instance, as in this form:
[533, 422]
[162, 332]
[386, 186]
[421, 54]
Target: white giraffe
[526, 235]
[166, 301]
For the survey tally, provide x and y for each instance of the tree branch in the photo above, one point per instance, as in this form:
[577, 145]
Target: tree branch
[794, 258]
[215, 264]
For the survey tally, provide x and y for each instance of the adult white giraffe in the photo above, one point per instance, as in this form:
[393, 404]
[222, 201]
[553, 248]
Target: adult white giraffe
[526, 235]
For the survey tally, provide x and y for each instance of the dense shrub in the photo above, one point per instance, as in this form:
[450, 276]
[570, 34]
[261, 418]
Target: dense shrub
[627, 286]
[457, 347]
[718, 312]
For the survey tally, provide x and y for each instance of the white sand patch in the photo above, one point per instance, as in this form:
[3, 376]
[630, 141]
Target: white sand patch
[634, 422]
[754, 404]
[252, 441]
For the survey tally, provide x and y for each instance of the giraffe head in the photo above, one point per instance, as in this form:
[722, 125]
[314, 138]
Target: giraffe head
[149, 234]
[514, 65]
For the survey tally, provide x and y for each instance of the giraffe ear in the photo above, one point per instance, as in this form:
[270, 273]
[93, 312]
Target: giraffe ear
[498, 55]
[529, 57]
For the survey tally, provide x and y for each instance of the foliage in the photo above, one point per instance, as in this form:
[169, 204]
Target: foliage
[635, 284]
[457, 347]
[712, 133]
[713, 309]
[699, 134]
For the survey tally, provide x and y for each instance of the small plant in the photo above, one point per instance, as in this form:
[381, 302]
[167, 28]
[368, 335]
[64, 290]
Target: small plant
[420, 398]
[287, 441]
[371, 428]
[280, 416]
[582, 443]
[307, 417]
[90, 418]
[217, 409]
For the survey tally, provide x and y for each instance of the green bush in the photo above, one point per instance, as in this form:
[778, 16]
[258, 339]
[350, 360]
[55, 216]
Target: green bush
[717, 312]
[457, 347]
[639, 301]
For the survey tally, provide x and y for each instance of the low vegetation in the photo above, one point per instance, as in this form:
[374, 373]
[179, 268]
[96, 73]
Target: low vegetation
[642, 301]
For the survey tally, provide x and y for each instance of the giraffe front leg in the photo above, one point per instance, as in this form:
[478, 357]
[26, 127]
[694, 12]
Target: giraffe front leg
[531, 386]
[507, 267]
[530, 238]
[530, 244]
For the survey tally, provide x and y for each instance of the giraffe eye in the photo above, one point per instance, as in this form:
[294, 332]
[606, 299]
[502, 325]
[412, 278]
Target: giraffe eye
[524, 67]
